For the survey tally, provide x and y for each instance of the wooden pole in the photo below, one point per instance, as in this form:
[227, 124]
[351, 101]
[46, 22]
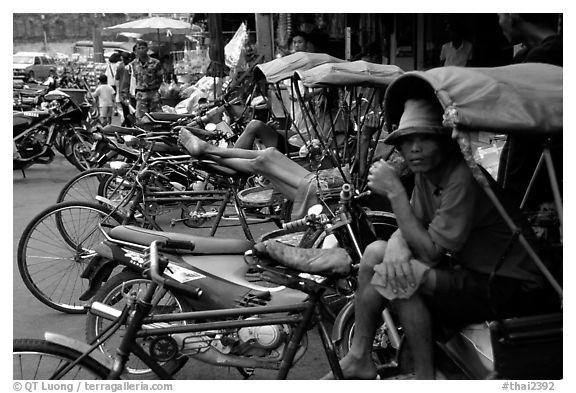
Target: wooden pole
[265, 36]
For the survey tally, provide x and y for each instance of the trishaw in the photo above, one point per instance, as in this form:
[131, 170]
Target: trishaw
[524, 99]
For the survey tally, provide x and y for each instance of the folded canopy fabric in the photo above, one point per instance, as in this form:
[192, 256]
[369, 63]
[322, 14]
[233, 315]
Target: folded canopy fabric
[350, 73]
[284, 67]
[519, 98]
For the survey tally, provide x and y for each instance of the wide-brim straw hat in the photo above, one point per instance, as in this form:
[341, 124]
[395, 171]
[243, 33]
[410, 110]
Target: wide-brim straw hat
[420, 116]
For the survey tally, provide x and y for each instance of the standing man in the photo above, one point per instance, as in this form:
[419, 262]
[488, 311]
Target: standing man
[148, 74]
[123, 86]
[456, 52]
[538, 34]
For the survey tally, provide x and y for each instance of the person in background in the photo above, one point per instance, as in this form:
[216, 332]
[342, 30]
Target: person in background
[123, 88]
[456, 52]
[538, 34]
[106, 99]
[51, 81]
[300, 42]
[168, 69]
[147, 73]
[111, 66]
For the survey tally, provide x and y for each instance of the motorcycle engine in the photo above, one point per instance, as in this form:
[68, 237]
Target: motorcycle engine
[263, 337]
[265, 342]
[32, 143]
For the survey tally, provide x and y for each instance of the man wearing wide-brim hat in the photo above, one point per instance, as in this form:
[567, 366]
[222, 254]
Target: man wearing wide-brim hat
[447, 213]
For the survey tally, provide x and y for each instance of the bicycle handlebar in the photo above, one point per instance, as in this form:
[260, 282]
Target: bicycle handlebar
[156, 271]
[303, 223]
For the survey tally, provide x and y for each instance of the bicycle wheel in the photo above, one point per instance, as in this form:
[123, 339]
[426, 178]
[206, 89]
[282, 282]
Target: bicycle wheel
[55, 249]
[84, 186]
[35, 359]
[113, 294]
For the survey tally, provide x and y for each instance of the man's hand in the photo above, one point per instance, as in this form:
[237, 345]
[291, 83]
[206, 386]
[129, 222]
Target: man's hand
[383, 179]
[396, 269]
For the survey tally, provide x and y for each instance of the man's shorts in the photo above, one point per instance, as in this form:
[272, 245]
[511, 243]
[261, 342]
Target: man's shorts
[464, 297]
[106, 111]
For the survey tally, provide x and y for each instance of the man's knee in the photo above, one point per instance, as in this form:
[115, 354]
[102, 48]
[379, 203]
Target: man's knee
[266, 158]
[256, 126]
[373, 255]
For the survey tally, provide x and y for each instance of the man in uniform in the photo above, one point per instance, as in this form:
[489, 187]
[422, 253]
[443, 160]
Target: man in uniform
[148, 74]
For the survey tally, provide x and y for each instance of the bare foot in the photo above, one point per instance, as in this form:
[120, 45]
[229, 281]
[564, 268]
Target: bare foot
[355, 368]
[195, 146]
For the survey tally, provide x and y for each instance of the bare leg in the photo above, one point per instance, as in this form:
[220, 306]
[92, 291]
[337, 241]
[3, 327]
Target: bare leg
[368, 304]
[284, 173]
[199, 148]
[257, 129]
[417, 322]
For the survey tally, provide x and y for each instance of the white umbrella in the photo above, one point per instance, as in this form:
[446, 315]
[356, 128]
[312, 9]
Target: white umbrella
[156, 24]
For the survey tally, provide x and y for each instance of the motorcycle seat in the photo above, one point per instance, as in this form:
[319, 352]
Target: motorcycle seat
[203, 244]
[326, 262]
[171, 117]
[112, 130]
[160, 147]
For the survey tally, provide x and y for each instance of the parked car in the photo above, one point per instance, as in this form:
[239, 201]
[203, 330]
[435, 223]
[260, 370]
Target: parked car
[32, 65]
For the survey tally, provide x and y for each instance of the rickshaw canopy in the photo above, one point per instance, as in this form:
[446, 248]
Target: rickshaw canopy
[356, 73]
[284, 67]
[520, 98]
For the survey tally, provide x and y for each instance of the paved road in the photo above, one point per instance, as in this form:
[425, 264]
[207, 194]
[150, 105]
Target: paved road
[31, 318]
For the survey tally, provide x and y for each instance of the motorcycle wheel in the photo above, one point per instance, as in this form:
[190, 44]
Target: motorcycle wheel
[54, 250]
[84, 186]
[78, 153]
[113, 294]
[35, 359]
[60, 142]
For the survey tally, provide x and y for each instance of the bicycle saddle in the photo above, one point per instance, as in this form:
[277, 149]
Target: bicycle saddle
[216, 169]
[204, 244]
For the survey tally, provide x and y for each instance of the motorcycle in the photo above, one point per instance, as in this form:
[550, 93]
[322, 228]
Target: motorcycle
[252, 309]
[35, 133]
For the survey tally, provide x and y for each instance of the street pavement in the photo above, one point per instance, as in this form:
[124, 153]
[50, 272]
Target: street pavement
[37, 191]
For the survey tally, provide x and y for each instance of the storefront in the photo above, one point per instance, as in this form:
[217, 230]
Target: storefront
[411, 41]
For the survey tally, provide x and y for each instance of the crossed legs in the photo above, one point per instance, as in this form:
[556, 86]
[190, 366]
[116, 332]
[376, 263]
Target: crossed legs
[282, 172]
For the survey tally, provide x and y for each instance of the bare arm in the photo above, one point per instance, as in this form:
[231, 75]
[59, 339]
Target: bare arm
[383, 180]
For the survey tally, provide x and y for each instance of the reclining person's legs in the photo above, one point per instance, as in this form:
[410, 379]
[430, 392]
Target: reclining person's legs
[284, 173]
[257, 129]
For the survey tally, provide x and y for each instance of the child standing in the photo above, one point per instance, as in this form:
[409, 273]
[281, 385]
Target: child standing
[106, 99]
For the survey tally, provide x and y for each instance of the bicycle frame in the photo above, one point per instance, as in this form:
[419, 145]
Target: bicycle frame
[140, 192]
